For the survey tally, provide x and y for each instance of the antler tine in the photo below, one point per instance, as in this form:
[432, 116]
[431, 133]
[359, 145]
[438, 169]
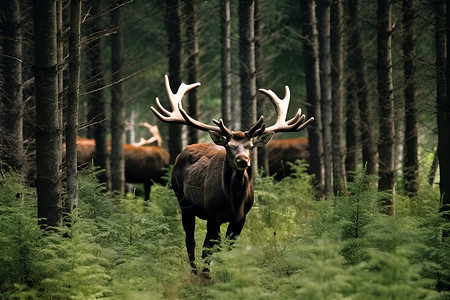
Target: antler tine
[281, 107]
[175, 102]
[196, 124]
[257, 128]
[224, 130]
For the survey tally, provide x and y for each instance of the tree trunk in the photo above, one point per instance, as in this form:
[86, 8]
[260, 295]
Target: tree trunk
[225, 41]
[192, 63]
[325, 89]
[411, 159]
[174, 57]
[311, 60]
[247, 70]
[386, 104]
[11, 134]
[48, 130]
[337, 95]
[358, 66]
[97, 101]
[117, 162]
[72, 104]
[263, 157]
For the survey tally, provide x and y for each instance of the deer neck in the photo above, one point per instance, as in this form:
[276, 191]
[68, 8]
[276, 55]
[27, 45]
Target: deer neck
[239, 188]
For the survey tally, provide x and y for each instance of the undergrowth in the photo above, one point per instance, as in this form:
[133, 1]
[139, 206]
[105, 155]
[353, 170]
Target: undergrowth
[292, 246]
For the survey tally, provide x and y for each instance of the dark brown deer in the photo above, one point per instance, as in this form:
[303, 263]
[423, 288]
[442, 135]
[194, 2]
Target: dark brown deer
[215, 182]
[285, 151]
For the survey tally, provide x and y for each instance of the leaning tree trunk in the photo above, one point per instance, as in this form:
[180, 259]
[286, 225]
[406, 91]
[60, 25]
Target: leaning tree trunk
[117, 161]
[325, 90]
[72, 104]
[225, 41]
[192, 51]
[247, 70]
[311, 60]
[11, 134]
[174, 57]
[411, 159]
[386, 105]
[48, 130]
[337, 95]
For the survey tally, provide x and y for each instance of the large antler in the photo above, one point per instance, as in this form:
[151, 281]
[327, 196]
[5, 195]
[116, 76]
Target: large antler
[281, 106]
[179, 115]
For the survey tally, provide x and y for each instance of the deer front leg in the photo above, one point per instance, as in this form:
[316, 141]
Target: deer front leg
[212, 238]
[188, 220]
[234, 230]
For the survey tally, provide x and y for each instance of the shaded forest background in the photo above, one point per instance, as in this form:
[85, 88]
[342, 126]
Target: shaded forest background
[92, 69]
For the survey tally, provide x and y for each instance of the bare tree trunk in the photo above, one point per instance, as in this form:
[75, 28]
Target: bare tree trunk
[72, 104]
[358, 65]
[97, 101]
[11, 132]
[174, 57]
[311, 57]
[247, 70]
[325, 90]
[263, 157]
[225, 41]
[192, 64]
[117, 162]
[386, 104]
[48, 130]
[337, 95]
[411, 158]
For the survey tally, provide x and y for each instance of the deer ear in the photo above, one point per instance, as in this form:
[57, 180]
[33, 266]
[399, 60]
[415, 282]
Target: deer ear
[263, 139]
[217, 138]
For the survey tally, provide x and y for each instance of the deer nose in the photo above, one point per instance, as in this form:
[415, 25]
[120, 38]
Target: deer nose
[242, 162]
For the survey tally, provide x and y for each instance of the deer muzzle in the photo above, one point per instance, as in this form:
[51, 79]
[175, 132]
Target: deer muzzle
[242, 162]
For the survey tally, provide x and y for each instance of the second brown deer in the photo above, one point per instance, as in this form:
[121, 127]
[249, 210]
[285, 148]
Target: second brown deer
[215, 181]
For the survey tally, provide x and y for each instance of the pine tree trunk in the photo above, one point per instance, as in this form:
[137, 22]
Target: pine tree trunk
[247, 70]
[263, 156]
[72, 104]
[358, 65]
[11, 134]
[337, 95]
[411, 158]
[97, 101]
[386, 104]
[174, 57]
[192, 63]
[48, 130]
[225, 41]
[325, 90]
[117, 162]
[311, 61]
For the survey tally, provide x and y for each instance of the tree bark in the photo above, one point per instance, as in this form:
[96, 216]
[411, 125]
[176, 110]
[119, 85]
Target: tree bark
[247, 70]
[311, 61]
[117, 162]
[72, 104]
[192, 63]
[174, 57]
[386, 104]
[48, 130]
[225, 41]
[337, 95]
[97, 101]
[323, 12]
[411, 158]
[11, 133]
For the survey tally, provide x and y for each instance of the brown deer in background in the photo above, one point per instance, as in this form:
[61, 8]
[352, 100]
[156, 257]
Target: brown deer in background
[214, 181]
[143, 164]
[285, 151]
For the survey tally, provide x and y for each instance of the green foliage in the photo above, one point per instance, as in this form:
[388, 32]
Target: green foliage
[292, 247]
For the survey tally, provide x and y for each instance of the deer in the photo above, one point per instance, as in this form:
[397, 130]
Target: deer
[285, 151]
[214, 181]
